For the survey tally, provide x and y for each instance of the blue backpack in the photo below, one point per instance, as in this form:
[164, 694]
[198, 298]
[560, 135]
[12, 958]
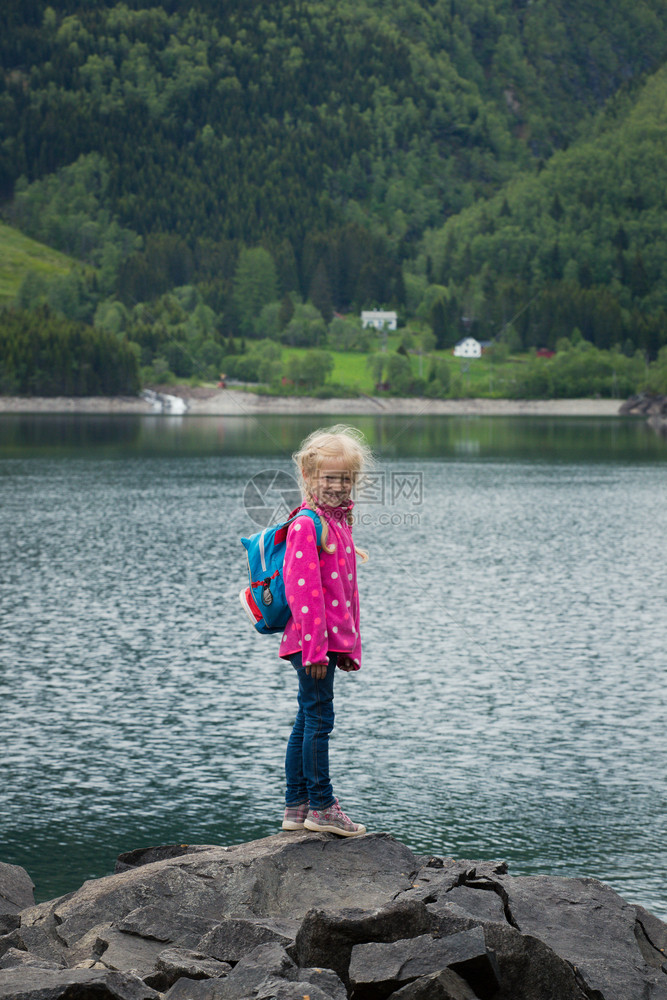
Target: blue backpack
[264, 600]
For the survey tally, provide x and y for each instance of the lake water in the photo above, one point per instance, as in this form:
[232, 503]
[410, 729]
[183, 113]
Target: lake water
[512, 701]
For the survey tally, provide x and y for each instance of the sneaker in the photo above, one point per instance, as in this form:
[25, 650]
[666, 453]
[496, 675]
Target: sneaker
[294, 816]
[332, 820]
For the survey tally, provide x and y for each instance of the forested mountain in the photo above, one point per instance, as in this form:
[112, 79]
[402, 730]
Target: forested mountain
[161, 141]
[582, 244]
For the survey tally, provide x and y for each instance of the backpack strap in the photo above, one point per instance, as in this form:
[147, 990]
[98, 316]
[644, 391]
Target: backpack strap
[315, 518]
[280, 534]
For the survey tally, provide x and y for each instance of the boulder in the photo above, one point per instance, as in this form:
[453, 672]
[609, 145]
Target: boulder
[34, 939]
[314, 984]
[195, 989]
[181, 898]
[15, 959]
[174, 963]
[304, 914]
[266, 961]
[279, 989]
[124, 952]
[324, 980]
[644, 403]
[654, 931]
[444, 985]
[590, 926]
[439, 876]
[16, 893]
[327, 937]
[72, 984]
[232, 939]
[166, 923]
[378, 970]
[529, 969]
[473, 902]
[283, 981]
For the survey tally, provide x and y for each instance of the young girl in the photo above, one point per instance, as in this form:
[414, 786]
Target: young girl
[323, 632]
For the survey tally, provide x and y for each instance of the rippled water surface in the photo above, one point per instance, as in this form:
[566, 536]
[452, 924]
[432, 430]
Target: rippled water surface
[512, 702]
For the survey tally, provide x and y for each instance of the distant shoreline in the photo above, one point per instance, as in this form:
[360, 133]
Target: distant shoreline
[236, 403]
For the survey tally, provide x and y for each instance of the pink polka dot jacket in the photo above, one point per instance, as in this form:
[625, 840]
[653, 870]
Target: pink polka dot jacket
[321, 589]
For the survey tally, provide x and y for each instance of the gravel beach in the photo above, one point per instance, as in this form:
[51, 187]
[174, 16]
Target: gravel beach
[236, 403]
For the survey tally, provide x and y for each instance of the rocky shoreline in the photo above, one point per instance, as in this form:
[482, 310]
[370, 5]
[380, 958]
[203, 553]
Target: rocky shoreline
[314, 917]
[653, 408]
[238, 403]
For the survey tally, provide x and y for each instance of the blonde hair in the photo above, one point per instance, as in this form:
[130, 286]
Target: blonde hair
[338, 442]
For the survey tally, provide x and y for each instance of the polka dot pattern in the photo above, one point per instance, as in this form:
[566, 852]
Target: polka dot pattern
[321, 589]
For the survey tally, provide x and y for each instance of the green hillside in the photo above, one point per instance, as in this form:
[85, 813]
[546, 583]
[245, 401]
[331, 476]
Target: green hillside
[334, 133]
[20, 255]
[233, 172]
[581, 244]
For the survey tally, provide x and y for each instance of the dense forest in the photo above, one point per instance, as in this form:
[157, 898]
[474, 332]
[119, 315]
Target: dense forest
[42, 354]
[249, 170]
[582, 244]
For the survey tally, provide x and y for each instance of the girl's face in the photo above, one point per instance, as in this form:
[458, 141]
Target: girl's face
[333, 482]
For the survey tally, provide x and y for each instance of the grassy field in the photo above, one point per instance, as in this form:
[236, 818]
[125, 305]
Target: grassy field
[19, 255]
[476, 377]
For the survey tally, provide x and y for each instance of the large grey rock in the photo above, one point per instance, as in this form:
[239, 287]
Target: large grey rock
[233, 938]
[299, 984]
[377, 970]
[16, 892]
[195, 989]
[592, 928]
[280, 989]
[529, 969]
[284, 980]
[440, 876]
[72, 984]
[127, 952]
[316, 899]
[89, 947]
[15, 959]
[267, 961]
[280, 877]
[166, 923]
[36, 940]
[653, 932]
[326, 937]
[476, 903]
[174, 963]
[444, 985]
[113, 898]
[324, 980]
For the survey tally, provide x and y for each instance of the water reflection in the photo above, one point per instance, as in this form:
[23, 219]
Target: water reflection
[543, 438]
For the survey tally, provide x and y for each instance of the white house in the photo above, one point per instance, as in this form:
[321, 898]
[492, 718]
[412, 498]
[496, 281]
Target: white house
[379, 319]
[468, 348]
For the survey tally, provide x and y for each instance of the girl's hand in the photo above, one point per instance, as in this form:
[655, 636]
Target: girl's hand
[345, 663]
[318, 671]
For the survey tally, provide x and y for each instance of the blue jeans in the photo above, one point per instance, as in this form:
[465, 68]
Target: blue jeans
[307, 757]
